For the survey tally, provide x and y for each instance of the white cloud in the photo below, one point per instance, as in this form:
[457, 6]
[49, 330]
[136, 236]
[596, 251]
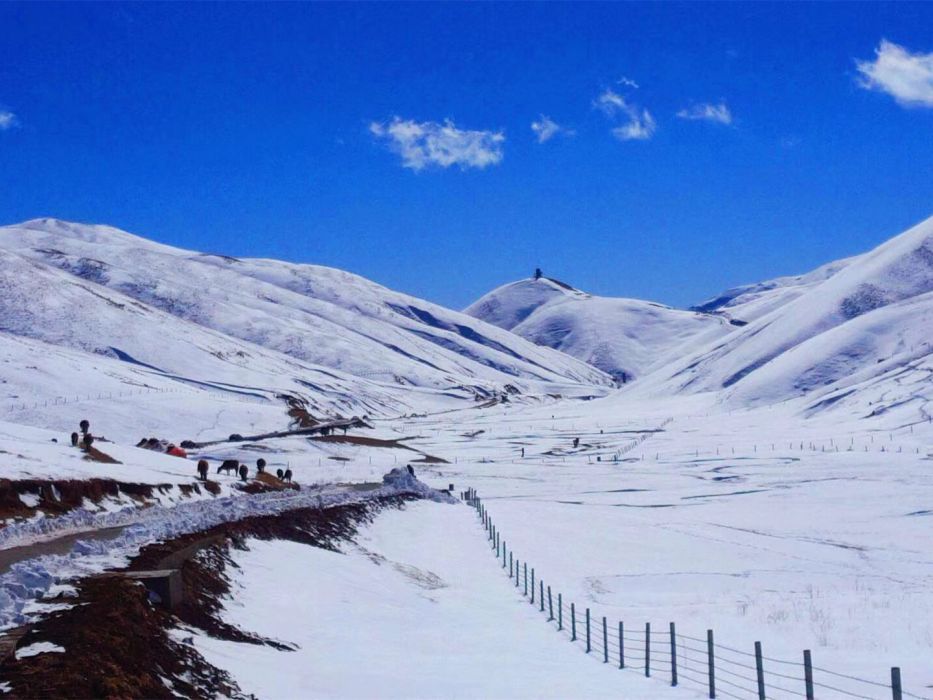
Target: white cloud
[907, 77]
[610, 103]
[707, 112]
[546, 128]
[424, 144]
[7, 120]
[640, 125]
[628, 82]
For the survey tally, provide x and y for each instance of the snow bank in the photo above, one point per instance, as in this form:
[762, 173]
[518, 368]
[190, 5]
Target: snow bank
[33, 578]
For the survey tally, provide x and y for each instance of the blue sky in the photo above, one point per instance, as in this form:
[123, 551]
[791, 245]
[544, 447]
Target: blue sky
[396, 140]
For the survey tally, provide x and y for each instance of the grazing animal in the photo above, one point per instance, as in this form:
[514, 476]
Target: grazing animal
[202, 469]
[260, 465]
[279, 473]
[244, 470]
[228, 465]
[74, 439]
[85, 426]
[288, 476]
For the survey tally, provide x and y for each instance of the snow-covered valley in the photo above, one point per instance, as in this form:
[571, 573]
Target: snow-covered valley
[769, 480]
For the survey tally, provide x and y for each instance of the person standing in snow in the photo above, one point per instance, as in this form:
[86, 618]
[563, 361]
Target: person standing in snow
[244, 471]
[260, 465]
[85, 426]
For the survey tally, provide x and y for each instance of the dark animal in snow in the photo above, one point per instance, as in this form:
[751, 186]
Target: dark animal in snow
[243, 471]
[288, 476]
[228, 465]
[202, 469]
[260, 465]
[279, 473]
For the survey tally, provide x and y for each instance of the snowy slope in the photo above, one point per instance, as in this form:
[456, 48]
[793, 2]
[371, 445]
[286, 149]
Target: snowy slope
[872, 317]
[620, 336]
[105, 291]
[750, 301]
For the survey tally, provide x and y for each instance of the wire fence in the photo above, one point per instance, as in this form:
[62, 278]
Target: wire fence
[20, 405]
[681, 659]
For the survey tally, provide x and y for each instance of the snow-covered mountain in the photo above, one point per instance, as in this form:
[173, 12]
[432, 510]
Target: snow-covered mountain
[255, 323]
[747, 302]
[861, 323]
[627, 338]
[865, 322]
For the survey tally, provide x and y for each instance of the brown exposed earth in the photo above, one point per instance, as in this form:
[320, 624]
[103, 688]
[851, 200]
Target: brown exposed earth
[117, 642]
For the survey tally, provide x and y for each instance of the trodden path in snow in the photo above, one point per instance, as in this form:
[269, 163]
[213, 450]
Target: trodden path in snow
[416, 607]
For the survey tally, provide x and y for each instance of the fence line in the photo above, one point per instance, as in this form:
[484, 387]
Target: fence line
[720, 670]
[109, 395]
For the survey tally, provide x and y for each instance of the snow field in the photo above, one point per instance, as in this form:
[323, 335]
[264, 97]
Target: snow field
[416, 608]
[798, 549]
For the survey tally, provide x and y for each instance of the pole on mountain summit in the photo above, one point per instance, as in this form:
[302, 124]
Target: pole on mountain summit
[896, 692]
[711, 662]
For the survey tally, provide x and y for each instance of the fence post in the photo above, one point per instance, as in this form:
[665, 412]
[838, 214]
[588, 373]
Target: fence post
[896, 693]
[647, 649]
[504, 547]
[541, 592]
[550, 605]
[760, 669]
[525, 565]
[673, 655]
[573, 623]
[532, 585]
[711, 662]
[621, 645]
[605, 642]
[588, 647]
[510, 564]
[808, 673]
[560, 611]
[518, 568]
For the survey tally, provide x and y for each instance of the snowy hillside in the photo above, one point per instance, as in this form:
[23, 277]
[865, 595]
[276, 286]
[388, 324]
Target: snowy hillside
[209, 318]
[750, 301]
[869, 319]
[625, 337]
